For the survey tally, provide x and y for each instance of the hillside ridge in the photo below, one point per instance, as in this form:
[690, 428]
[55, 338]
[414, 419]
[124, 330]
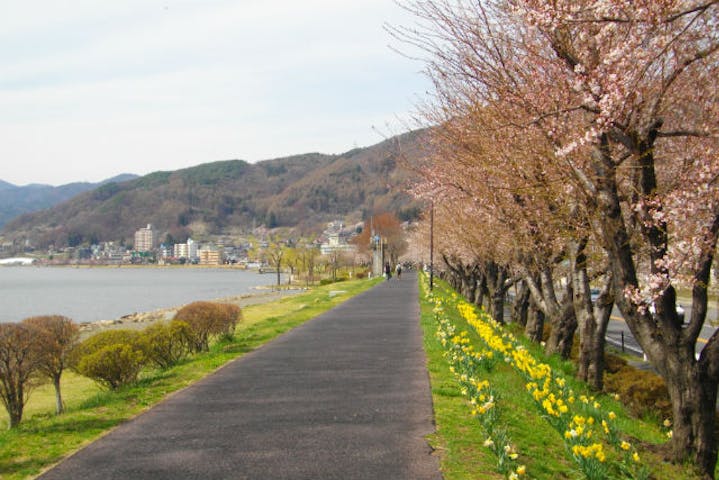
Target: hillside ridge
[232, 196]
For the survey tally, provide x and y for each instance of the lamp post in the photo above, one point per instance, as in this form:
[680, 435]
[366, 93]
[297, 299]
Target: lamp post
[431, 247]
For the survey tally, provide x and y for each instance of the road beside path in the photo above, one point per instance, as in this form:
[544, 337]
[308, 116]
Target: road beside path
[344, 396]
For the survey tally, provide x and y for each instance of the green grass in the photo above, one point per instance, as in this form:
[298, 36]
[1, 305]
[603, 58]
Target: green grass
[43, 438]
[459, 439]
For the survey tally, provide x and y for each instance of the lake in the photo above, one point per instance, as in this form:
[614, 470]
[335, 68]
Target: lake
[107, 293]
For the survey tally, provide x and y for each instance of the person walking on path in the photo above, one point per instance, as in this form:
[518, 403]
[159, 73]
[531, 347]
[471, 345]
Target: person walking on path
[398, 271]
[344, 396]
[387, 270]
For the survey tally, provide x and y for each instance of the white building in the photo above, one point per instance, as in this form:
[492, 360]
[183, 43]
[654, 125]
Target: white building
[336, 239]
[145, 239]
[186, 250]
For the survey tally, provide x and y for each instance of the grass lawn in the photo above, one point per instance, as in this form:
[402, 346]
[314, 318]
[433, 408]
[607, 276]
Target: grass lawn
[460, 438]
[43, 438]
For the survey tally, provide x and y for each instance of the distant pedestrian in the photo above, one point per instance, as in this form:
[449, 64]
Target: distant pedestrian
[398, 270]
[387, 270]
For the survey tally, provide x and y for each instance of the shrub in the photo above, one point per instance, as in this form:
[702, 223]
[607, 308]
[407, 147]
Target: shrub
[207, 320]
[613, 363]
[326, 281]
[113, 365]
[105, 338]
[166, 344]
[643, 392]
[229, 315]
[112, 358]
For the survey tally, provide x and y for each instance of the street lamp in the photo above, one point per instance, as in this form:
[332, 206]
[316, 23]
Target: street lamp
[431, 247]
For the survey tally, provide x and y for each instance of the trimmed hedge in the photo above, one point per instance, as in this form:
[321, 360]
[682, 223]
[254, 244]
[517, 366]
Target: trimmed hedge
[208, 320]
[166, 344]
[112, 358]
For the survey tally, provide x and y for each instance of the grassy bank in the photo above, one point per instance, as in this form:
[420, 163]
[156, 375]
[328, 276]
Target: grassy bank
[509, 418]
[43, 439]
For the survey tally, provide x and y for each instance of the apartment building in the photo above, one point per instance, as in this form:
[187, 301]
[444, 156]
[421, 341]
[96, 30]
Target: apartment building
[186, 250]
[211, 256]
[145, 239]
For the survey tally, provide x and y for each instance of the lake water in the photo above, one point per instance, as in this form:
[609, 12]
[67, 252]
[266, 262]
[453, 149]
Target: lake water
[107, 293]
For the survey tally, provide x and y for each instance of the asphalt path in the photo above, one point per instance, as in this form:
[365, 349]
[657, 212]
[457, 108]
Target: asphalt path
[344, 396]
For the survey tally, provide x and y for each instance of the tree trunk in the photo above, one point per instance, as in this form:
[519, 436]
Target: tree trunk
[498, 305]
[481, 291]
[591, 333]
[16, 405]
[559, 312]
[520, 306]
[561, 338]
[496, 276]
[59, 405]
[535, 322]
[595, 376]
[694, 416]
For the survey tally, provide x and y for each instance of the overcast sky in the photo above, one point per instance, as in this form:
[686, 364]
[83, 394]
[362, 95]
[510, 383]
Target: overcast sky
[90, 89]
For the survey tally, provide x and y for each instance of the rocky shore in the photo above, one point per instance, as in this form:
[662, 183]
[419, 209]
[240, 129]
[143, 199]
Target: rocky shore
[142, 319]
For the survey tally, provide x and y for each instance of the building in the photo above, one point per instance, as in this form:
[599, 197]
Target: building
[186, 250]
[336, 239]
[145, 239]
[211, 256]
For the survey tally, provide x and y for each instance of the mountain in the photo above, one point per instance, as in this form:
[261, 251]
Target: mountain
[15, 201]
[301, 191]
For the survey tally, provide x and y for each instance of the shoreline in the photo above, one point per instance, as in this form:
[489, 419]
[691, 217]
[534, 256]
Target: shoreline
[139, 320]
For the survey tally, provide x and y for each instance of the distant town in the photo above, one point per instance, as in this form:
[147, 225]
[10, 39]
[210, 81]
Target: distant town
[248, 251]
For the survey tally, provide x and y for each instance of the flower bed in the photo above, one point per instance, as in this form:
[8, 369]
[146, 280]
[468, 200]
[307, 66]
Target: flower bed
[590, 435]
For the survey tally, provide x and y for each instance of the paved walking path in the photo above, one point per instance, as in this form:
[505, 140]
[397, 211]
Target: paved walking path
[345, 396]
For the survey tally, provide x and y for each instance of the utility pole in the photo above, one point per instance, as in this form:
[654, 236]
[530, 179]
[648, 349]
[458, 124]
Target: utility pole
[431, 247]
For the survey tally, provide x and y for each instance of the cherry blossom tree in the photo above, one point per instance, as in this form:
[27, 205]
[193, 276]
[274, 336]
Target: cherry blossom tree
[618, 101]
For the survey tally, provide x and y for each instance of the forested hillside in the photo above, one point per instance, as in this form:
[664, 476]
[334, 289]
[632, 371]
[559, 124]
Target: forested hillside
[16, 200]
[301, 191]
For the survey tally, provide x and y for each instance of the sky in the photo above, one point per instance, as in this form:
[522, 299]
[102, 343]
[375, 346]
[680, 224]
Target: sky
[91, 89]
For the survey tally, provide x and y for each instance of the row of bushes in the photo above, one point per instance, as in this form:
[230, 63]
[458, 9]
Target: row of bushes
[41, 348]
[115, 358]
